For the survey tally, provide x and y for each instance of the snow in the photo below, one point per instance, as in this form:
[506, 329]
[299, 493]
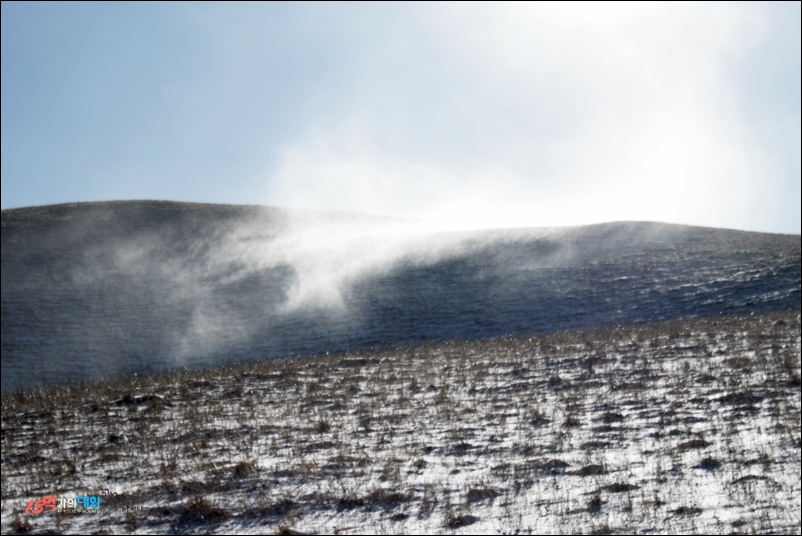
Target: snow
[681, 427]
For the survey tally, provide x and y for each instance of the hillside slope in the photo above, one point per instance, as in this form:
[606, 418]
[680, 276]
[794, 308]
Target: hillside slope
[91, 290]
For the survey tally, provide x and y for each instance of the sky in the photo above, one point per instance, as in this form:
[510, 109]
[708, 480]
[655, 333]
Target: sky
[456, 115]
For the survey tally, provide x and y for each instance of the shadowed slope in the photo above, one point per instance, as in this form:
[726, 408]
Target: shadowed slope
[96, 289]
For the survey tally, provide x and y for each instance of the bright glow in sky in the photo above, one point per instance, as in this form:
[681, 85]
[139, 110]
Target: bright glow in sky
[464, 115]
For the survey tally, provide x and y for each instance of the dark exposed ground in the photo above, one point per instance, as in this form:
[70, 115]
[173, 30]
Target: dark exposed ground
[688, 426]
[92, 290]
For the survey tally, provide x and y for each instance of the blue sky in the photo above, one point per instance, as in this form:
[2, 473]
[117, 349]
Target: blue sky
[466, 115]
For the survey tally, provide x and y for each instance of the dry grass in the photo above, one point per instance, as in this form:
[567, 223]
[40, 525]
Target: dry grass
[680, 427]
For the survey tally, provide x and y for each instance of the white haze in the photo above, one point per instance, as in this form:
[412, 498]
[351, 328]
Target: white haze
[325, 253]
[479, 116]
[545, 114]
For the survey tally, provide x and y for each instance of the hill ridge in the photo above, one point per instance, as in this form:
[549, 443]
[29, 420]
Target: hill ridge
[150, 285]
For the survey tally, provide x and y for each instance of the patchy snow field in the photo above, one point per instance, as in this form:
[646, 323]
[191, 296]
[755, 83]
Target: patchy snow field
[681, 427]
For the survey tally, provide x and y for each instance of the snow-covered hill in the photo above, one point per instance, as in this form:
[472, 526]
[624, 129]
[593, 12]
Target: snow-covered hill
[599, 379]
[92, 290]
